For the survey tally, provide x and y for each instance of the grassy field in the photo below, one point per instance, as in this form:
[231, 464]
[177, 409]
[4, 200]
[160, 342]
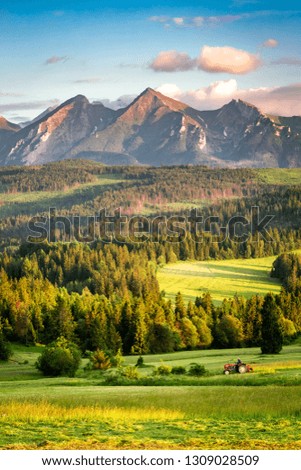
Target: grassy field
[222, 279]
[40, 201]
[216, 412]
[279, 176]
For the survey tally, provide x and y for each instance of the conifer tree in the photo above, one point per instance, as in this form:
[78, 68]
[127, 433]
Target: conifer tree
[271, 329]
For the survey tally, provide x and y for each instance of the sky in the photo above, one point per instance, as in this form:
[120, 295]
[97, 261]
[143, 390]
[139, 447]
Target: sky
[204, 53]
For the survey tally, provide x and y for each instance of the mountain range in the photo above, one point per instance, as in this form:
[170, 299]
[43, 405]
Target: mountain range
[154, 130]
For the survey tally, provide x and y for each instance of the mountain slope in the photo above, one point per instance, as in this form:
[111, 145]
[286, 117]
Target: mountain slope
[155, 130]
[51, 137]
[239, 132]
[7, 129]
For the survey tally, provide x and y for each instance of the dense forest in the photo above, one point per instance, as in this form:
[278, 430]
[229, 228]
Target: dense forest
[108, 298]
[106, 295]
[287, 268]
[85, 188]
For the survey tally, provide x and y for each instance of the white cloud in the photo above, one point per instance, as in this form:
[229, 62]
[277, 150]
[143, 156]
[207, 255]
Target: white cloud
[172, 61]
[178, 21]
[227, 59]
[211, 97]
[197, 21]
[121, 102]
[170, 89]
[270, 43]
[222, 89]
[219, 20]
[283, 101]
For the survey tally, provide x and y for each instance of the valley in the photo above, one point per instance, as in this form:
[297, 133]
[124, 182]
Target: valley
[121, 299]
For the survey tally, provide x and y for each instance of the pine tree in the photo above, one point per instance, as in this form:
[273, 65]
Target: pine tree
[180, 309]
[271, 329]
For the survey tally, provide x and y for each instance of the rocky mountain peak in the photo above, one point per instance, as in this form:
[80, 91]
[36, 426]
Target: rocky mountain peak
[8, 126]
[154, 130]
[81, 99]
[149, 102]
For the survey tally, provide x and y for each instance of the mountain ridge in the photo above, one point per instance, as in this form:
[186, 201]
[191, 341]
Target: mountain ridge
[154, 130]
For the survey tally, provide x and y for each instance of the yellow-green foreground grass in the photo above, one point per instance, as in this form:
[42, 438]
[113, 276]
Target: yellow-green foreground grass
[223, 279]
[191, 418]
[81, 413]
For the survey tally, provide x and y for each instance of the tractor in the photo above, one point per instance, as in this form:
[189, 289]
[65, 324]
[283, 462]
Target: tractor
[240, 368]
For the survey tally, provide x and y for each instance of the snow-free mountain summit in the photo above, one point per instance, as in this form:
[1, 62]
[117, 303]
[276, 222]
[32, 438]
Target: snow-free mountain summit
[154, 130]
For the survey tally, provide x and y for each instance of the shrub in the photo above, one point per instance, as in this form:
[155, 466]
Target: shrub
[5, 348]
[178, 370]
[100, 360]
[113, 378]
[197, 370]
[130, 372]
[140, 362]
[59, 358]
[163, 369]
[117, 360]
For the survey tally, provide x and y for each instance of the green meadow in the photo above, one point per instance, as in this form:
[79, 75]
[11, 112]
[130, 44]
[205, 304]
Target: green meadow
[260, 410]
[279, 176]
[222, 279]
[40, 201]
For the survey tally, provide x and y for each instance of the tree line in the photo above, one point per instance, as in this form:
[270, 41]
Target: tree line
[108, 298]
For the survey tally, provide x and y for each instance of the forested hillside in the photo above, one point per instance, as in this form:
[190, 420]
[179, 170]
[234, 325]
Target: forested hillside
[106, 295]
[84, 188]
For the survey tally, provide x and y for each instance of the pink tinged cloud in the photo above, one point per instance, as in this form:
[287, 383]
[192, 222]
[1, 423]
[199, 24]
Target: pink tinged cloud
[295, 61]
[178, 21]
[172, 61]
[270, 43]
[55, 59]
[227, 60]
[281, 101]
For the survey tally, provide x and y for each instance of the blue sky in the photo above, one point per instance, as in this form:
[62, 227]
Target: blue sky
[204, 53]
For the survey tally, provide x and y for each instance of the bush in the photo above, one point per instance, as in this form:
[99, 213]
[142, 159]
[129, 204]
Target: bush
[100, 360]
[117, 360]
[140, 362]
[130, 372]
[197, 370]
[5, 349]
[163, 369]
[178, 370]
[114, 378]
[60, 358]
